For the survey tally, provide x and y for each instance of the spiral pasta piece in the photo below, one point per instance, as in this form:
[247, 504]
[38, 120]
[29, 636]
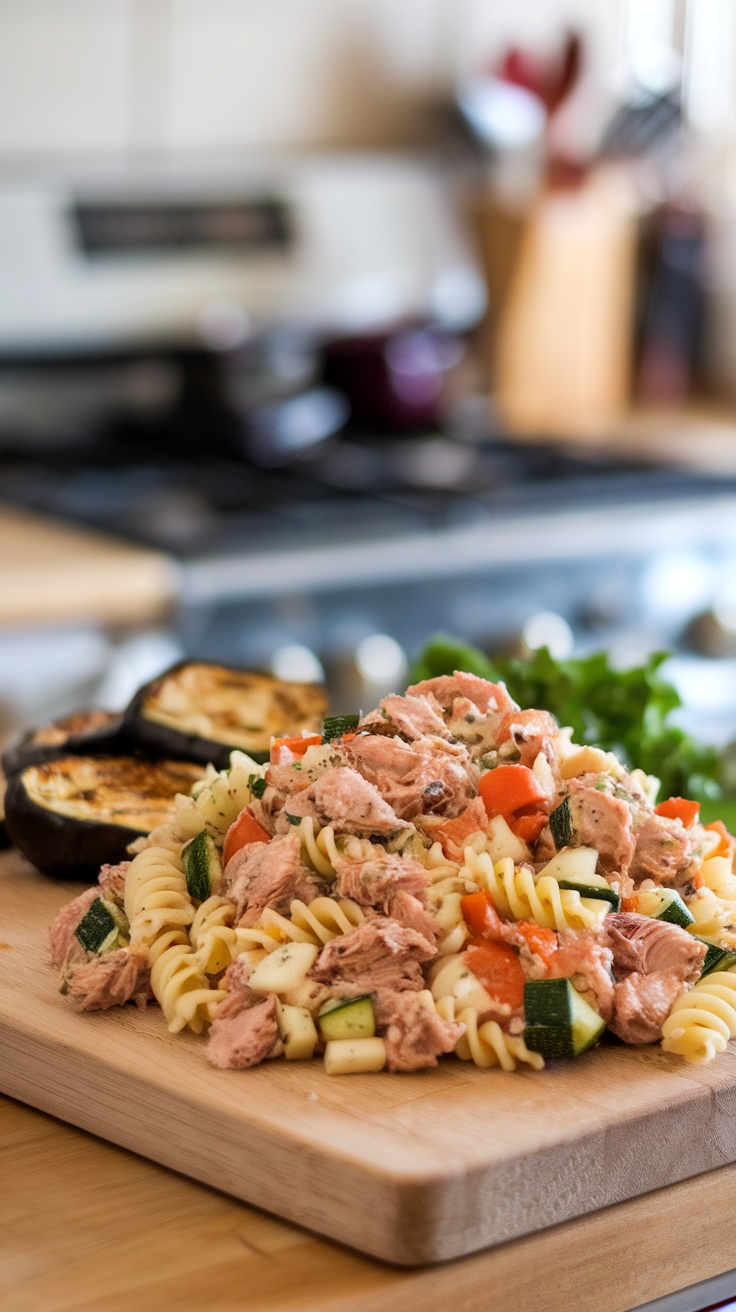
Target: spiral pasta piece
[702, 1020]
[318, 922]
[712, 917]
[212, 936]
[487, 1044]
[518, 895]
[179, 985]
[156, 897]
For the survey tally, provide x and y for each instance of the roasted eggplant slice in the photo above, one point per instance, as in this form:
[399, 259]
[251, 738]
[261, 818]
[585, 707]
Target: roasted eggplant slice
[72, 815]
[201, 712]
[85, 733]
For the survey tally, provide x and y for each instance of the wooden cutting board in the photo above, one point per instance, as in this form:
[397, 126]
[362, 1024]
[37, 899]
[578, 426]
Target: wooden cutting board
[411, 1168]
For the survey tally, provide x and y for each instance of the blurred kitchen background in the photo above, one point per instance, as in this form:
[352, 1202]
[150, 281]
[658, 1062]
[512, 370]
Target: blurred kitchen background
[329, 324]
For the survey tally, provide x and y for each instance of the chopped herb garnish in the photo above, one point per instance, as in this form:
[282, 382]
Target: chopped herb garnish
[257, 785]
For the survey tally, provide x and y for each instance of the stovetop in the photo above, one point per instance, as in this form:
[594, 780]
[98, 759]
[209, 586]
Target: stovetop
[352, 490]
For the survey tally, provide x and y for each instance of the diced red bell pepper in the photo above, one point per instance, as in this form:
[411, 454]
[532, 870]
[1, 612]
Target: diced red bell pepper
[243, 830]
[295, 746]
[529, 826]
[679, 808]
[509, 787]
[480, 915]
[541, 941]
[497, 967]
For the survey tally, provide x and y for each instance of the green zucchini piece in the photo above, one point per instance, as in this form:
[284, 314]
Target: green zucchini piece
[334, 726]
[349, 1020]
[202, 868]
[559, 1022]
[560, 823]
[716, 958]
[99, 929]
[593, 890]
[665, 904]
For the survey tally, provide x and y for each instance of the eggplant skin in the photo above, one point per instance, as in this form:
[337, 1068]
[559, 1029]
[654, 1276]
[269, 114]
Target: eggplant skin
[116, 800]
[245, 709]
[84, 733]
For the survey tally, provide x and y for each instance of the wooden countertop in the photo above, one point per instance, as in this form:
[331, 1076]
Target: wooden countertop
[54, 573]
[87, 1227]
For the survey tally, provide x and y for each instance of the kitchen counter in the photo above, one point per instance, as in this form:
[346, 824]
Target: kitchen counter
[52, 573]
[87, 1227]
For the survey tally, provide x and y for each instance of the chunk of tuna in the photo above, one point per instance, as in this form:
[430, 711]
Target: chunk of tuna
[407, 717]
[446, 688]
[647, 946]
[268, 874]
[663, 851]
[62, 927]
[529, 733]
[343, 798]
[379, 953]
[415, 1036]
[409, 912]
[586, 960]
[240, 996]
[428, 775]
[111, 980]
[602, 821]
[375, 882]
[111, 880]
[641, 1005]
[239, 1041]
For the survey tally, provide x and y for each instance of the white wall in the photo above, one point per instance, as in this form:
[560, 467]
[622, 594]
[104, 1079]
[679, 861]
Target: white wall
[106, 75]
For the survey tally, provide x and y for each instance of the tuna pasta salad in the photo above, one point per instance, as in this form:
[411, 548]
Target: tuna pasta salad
[446, 874]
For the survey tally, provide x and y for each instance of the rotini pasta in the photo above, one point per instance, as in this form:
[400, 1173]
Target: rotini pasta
[156, 898]
[212, 936]
[323, 851]
[323, 919]
[712, 917]
[516, 893]
[702, 1020]
[486, 1044]
[179, 985]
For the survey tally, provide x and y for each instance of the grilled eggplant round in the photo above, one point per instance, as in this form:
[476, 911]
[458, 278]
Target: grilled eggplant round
[85, 733]
[202, 712]
[71, 815]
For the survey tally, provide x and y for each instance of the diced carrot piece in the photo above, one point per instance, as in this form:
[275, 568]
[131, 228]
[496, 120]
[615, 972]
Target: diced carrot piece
[679, 808]
[529, 827]
[725, 846]
[541, 941]
[497, 967]
[509, 787]
[243, 830]
[480, 915]
[698, 881]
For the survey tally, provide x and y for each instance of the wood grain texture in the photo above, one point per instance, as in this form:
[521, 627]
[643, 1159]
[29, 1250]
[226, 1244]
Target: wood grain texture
[50, 572]
[89, 1228]
[414, 1168]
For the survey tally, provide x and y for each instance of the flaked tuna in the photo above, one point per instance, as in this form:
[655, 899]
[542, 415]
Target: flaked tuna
[268, 874]
[663, 851]
[111, 880]
[586, 959]
[643, 945]
[111, 980]
[602, 821]
[406, 717]
[415, 1036]
[380, 953]
[528, 733]
[62, 927]
[239, 1041]
[447, 688]
[343, 798]
[240, 996]
[641, 1005]
[376, 881]
[429, 775]
[408, 910]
